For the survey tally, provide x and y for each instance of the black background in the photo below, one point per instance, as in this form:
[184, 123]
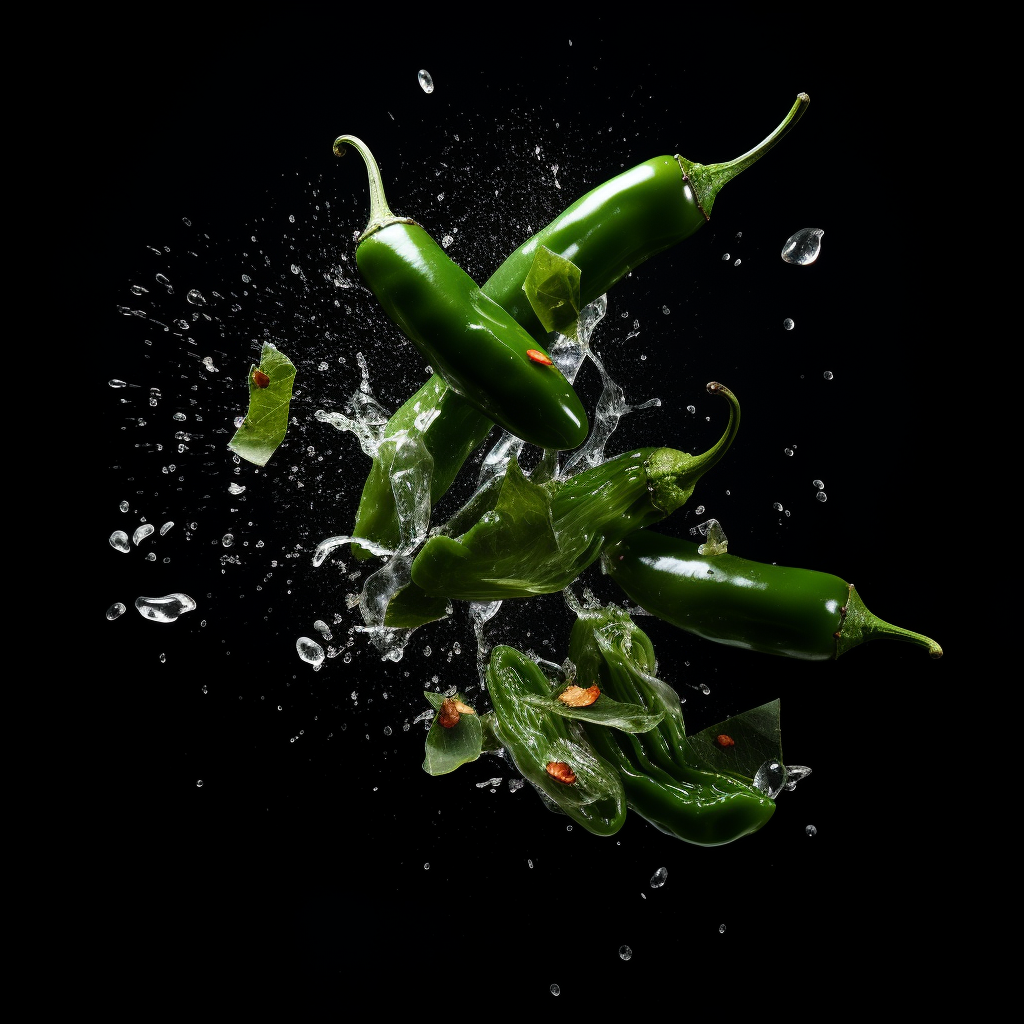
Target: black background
[301, 860]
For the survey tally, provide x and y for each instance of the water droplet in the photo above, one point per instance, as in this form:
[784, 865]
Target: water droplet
[310, 652]
[818, 483]
[721, 929]
[199, 783]
[691, 409]
[705, 689]
[803, 247]
[163, 659]
[227, 540]
[426, 82]
[426, 867]
[770, 778]
[810, 830]
[625, 952]
[736, 262]
[788, 324]
[195, 298]
[788, 451]
[115, 383]
[142, 533]
[659, 878]
[206, 689]
[234, 488]
[827, 375]
[555, 990]
[164, 609]
[321, 627]
[119, 541]
[725, 257]
[777, 506]
[166, 527]
[821, 496]
[115, 611]
[123, 506]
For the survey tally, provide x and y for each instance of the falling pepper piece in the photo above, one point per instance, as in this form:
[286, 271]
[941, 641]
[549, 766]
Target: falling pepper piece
[561, 772]
[725, 741]
[539, 357]
[260, 379]
[579, 697]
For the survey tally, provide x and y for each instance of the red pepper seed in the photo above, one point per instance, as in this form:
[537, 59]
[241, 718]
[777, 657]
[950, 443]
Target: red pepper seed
[539, 357]
[260, 379]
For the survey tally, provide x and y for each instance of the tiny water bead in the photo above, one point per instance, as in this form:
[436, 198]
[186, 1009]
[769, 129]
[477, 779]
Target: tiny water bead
[123, 506]
[115, 611]
[788, 324]
[827, 375]
[310, 652]
[555, 990]
[625, 952]
[810, 830]
[164, 609]
[803, 246]
[819, 484]
[119, 541]
[721, 929]
[144, 531]
[821, 496]
[425, 80]
[227, 540]
[659, 878]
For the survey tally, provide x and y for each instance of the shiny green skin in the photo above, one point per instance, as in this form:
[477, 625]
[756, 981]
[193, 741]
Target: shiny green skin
[606, 233]
[699, 806]
[775, 609]
[470, 340]
[533, 737]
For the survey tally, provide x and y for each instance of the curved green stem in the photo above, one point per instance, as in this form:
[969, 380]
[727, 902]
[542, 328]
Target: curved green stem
[673, 474]
[380, 214]
[860, 625]
[707, 179]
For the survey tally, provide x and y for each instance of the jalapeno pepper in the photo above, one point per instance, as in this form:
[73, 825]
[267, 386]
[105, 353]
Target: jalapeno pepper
[775, 609]
[549, 750]
[606, 233]
[469, 339]
[661, 780]
[538, 538]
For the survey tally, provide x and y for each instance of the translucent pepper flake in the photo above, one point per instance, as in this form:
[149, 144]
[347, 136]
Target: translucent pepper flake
[561, 772]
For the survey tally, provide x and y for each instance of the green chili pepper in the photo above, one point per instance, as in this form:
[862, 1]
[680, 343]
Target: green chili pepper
[549, 750]
[470, 340]
[659, 770]
[796, 613]
[606, 233]
[538, 538]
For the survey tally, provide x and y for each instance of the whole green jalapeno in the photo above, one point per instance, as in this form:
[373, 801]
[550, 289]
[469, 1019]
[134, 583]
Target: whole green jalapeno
[775, 609]
[606, 233]
[550, 751]
[662, 782]
[469, 339]
[539, 537]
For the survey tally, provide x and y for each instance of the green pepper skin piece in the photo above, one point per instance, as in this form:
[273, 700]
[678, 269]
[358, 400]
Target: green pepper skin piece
[470, 340]
[533, 738]
[607, 232]
[699, 806]
[774, 609]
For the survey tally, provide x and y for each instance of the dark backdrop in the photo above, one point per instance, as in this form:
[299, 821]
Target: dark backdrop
[303, 856]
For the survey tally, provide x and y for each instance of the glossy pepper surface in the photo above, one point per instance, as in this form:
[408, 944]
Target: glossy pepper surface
[606, 233]
[659, 771]
[775, 609]
[469, 339]
[549, 750]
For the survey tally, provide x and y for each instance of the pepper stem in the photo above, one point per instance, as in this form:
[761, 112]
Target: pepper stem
[707, 179]
[672, 474]
[380, 214]
[860, 625]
